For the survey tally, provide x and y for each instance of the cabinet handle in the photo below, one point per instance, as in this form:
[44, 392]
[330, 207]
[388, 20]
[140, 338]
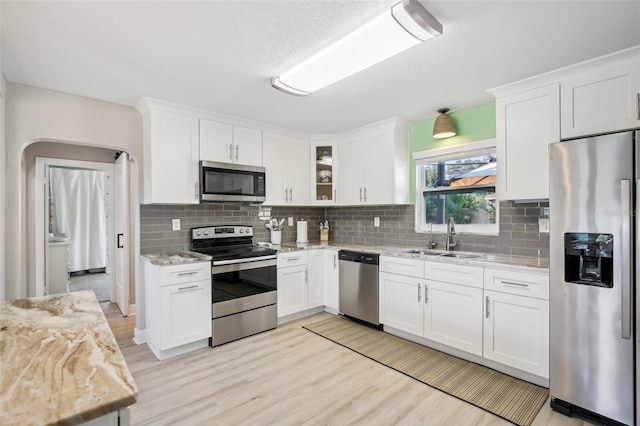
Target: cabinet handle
[119, 243]
[360, 194]
[230, 151]
[638, 102]
[426, 294]
[186, 274]
[334, 196]
[286, 195]
[292, 258]
[365, 194]
[306, 275]
[291, 194]
[335, 259]
[196, 191]
[487, 306]
[518, 284]
[187, 288]
[418, 292]
[236, 152]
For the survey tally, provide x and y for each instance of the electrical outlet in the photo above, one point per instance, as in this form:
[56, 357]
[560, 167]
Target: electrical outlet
[376, 221]
[175, 224]
[290, 221]
[543, 225]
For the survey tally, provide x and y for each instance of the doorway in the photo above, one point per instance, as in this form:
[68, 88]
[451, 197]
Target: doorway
[79, 243]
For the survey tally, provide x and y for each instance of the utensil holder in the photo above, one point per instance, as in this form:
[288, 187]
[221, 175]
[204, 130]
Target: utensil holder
[276, 237]
[324, 235]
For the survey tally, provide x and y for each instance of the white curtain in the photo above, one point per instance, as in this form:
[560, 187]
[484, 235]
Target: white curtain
[79, 209]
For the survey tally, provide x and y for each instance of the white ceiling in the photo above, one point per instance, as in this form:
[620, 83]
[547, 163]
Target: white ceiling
[220, 55]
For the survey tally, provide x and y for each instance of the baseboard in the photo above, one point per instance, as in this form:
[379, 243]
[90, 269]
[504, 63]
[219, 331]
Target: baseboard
[301, 314]
[132, 309]
[139, 336]
[331, 310]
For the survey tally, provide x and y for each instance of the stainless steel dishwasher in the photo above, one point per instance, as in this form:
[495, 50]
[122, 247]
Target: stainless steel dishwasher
[359, 286]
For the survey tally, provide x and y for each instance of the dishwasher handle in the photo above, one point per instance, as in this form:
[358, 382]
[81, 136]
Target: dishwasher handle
[354, 256]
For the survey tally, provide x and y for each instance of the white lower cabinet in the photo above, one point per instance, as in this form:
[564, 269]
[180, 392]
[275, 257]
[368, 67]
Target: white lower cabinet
[500, 315]
[453, 315]
[516, 319]
[293, 289]
[401, 304]
[331, 281]
[315, 278]
[178, 307]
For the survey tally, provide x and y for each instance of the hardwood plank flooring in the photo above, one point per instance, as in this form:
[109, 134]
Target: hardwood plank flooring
[287, 376]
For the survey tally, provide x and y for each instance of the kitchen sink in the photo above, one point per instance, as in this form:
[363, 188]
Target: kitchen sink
[422, 251]
[461, 255]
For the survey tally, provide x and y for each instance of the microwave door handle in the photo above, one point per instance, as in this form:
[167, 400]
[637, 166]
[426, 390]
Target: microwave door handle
[626, 263]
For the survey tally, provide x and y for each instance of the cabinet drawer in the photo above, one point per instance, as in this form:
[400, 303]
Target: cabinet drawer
[529, 284]
[293, 258]
[402, 266]
[176, 274]
[455, 274]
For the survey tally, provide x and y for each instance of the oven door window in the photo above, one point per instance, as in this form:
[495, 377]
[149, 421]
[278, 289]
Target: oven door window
[217, 181]
[237, 284]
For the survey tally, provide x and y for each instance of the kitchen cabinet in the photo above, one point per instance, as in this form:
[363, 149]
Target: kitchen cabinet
[170, 154]
[331, 281]
[526, 122]
[230, 144]
[374, 164]
[401, 303]
[602, 95]
[324, 171]
[177, 307]
[516, 320]
[316, 278]
[401, 287]
[293, 289]
[287, 181]
[453, 305]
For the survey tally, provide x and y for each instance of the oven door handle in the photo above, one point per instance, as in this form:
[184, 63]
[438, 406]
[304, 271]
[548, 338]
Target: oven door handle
[243, 260]
[243, 266]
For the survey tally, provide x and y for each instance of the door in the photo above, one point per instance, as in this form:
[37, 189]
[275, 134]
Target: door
[401, 302]
[297, 170]
[247, 146]
[216, 141]
[316, 278]
[331, 298]
[121, 231]
[350, 178]
[453, 315]
[516, 332]
[591, 336]
[274, 162]
[292, 290]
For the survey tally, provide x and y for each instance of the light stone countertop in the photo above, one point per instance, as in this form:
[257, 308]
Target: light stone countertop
[59, 362]
[175, 258]
[505, 261]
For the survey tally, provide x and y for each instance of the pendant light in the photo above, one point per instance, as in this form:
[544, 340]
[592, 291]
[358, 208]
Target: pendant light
[444, 126]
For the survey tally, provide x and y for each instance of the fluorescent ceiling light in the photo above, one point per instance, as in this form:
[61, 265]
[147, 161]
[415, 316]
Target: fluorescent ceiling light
[406, 24]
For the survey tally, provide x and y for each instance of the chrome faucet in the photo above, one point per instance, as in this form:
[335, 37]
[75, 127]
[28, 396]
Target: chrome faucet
[451, 230]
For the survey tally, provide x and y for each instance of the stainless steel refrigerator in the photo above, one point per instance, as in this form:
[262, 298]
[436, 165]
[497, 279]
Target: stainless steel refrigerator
[594, 268]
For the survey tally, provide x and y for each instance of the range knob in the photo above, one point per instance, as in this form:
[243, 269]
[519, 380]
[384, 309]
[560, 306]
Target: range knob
[242, 230]
[206, 232]
[198, 233]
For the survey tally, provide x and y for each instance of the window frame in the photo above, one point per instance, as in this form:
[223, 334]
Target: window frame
[441, 154]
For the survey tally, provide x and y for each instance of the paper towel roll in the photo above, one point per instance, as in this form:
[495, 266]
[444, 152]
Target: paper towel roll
[301, 234]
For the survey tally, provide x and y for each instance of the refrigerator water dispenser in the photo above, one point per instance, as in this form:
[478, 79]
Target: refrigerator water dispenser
[588, 259]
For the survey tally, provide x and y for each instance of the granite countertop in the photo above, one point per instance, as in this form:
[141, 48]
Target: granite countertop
[59, 361]
[175, 258]
[539, 264]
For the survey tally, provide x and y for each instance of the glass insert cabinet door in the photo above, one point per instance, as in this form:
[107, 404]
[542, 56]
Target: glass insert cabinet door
[324, 173]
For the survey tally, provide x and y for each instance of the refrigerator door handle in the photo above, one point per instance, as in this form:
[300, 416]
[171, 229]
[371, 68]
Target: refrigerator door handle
[627, 265]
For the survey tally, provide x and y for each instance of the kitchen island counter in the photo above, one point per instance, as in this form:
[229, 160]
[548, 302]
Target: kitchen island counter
[59, 362]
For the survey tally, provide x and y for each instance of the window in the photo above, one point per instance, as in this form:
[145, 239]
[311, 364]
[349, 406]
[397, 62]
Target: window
[457, 182]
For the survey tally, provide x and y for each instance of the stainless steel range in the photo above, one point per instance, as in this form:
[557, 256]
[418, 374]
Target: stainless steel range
[243, 279]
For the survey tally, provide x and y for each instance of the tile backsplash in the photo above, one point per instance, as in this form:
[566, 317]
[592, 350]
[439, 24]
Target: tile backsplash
[519, 233]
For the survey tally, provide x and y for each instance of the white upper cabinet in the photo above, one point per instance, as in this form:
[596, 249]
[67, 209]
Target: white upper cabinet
[324, 171]
[227, 143]
[286, 161]
[170, 143]
[374, 164]
[526, 123]
[603, 97]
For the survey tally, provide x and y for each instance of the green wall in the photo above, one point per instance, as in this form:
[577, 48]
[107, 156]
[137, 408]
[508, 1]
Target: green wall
[472, 124]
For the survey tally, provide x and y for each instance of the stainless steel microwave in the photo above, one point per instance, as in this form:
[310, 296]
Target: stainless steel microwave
[225, 182]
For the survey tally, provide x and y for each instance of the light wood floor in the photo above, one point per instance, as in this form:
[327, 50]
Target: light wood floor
[287, 376]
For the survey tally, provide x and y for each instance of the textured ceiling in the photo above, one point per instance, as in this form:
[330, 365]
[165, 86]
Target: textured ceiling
[220, 55]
